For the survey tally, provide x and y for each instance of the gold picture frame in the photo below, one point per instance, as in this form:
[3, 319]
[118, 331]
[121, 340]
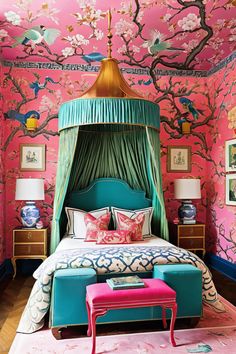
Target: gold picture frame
[179, 158]
[32, 157]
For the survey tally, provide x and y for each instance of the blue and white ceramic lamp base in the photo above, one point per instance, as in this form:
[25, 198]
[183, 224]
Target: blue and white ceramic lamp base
[30, 215]
[187, 212]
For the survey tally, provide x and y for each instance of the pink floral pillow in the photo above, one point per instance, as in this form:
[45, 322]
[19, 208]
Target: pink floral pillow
[93, 225]
[113, 236]
[134, 225]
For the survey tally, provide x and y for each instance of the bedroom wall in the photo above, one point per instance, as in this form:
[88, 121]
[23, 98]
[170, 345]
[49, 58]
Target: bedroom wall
[221, 217]
[68, 84]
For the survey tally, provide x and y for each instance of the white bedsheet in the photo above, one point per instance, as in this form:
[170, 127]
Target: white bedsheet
[72, 243]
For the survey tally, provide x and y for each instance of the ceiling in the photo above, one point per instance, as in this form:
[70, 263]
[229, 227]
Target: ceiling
[166, 34]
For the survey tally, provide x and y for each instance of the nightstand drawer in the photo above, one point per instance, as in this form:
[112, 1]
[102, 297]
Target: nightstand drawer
[190, 231]
[29, 236]
[191, 242]
[29, 250]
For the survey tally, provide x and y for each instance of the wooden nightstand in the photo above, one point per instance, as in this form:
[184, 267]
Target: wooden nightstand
[29, 244]
[190, 237]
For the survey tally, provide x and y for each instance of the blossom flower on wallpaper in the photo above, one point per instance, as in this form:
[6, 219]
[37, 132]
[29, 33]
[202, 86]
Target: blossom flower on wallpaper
[166, 17]
[48, 12]
[232, 118]
[122, 49]
[98, 34]
[190, 22]
[76, 40]
[124, 28]
[232, 37]
[216, 42]
[13, 17]
[84, 3]
[46, 104]
[3, 35]
[90, 16]
[190, 45]
[68, 51]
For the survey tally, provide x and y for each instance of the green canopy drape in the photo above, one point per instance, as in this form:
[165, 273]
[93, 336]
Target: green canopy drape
[68, 139]
[109, 137]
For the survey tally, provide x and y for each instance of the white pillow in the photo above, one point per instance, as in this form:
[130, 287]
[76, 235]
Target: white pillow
[76, 226]
[146, 230]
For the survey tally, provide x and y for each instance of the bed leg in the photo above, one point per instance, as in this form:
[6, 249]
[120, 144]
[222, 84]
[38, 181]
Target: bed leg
[193, 321]
[56, 332]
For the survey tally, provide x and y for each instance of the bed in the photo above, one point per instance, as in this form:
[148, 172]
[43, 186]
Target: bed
[138, 257]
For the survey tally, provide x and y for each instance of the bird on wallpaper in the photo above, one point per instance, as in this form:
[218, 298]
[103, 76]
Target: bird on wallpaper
[22, 118]
[145, 83]
[157, 44]
[89, 58]
[36, 35]
[189, 105]
[36, 86]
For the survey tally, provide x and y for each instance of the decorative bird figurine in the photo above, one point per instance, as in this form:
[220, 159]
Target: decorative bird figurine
[29, 119]
[89, 58]
[36, 35]
[36, 86]
[189, 105]
[157, 44]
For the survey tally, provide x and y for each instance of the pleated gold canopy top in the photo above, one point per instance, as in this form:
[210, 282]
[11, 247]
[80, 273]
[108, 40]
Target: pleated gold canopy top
[110, 82]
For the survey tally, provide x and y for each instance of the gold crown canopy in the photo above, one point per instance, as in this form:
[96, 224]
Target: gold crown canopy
[110, 82]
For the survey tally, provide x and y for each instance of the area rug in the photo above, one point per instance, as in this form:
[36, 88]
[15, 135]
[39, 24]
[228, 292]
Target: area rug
[216, 333]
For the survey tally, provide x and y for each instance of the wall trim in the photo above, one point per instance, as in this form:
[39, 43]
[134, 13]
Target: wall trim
[130, 70]
[221, 265]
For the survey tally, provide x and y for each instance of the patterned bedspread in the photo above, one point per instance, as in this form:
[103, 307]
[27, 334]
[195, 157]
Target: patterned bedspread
[107, 260]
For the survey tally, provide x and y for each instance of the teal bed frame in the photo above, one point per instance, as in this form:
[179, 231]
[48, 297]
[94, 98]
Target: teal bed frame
[70, 294]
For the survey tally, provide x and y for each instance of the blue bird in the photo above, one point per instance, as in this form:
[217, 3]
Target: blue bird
[146, 83]
[189, 105]
[89, 58]
[22, 118]
[36, 86]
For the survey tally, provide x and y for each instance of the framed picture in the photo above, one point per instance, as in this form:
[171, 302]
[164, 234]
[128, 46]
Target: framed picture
[230, 190]
[32, 157]
[179, 159]
[230, 155]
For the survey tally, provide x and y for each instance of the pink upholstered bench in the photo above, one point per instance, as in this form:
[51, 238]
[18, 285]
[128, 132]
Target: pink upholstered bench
[101, 298]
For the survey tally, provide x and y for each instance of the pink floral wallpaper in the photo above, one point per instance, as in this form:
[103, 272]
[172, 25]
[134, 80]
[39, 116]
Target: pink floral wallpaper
[214, 101]
[170, 51]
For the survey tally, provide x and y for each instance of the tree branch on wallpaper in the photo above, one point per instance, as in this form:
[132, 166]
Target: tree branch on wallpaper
[25, 99]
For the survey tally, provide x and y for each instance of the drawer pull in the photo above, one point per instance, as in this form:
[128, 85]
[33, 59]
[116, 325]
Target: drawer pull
[29, 235]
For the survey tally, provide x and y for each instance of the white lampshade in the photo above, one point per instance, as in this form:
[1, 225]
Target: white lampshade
[29, 189]
[187, 188]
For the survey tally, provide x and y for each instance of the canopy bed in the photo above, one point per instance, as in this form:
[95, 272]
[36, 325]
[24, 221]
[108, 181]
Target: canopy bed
[109, 158]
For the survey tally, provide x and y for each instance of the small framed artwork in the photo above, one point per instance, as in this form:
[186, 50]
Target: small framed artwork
[230, 190]
[230, 155]
[32, 157]
[179, 158]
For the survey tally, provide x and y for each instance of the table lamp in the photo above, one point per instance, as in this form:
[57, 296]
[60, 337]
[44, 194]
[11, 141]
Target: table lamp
[29, 189]
[187, 189]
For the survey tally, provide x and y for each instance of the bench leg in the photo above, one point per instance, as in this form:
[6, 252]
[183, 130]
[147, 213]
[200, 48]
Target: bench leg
[172, 324]
[163, 309]
[92, 316]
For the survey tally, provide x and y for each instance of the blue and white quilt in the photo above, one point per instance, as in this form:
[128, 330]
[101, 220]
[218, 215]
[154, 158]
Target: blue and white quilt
[105, 260]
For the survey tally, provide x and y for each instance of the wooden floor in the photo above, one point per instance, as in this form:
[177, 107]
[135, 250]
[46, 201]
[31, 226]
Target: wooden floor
[14, 295]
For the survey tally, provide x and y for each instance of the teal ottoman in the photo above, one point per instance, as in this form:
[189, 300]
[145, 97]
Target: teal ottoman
[68, 306]
[186, 280]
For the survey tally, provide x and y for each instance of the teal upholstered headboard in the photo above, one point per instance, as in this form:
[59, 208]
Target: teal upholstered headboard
[108, 192]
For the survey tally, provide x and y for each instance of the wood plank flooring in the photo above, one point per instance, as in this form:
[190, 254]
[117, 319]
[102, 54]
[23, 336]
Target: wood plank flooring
[14, 295]
[12, 302]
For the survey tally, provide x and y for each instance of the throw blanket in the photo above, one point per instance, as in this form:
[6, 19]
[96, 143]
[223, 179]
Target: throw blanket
[105, 260]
